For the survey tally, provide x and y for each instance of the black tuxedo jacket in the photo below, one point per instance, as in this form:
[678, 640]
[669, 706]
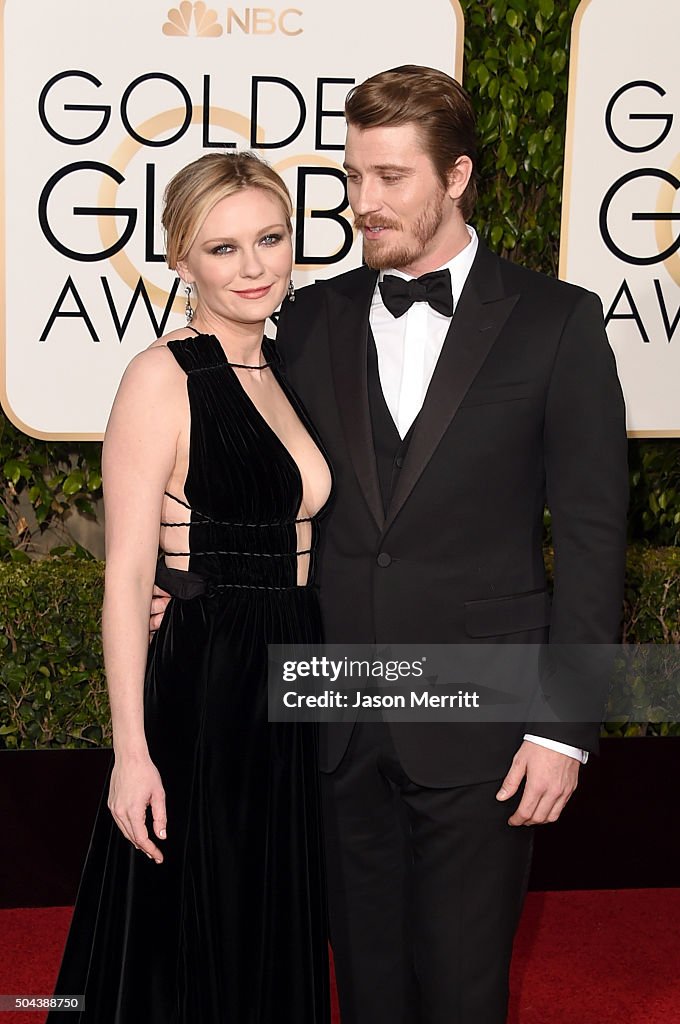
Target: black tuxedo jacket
[524, 409]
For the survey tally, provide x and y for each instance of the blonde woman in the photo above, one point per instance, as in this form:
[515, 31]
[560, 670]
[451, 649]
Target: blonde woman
[202, 898]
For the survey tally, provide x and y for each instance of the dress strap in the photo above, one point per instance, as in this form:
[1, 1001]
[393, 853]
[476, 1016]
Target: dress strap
[178, 500]
[198, 352]
[206, 520]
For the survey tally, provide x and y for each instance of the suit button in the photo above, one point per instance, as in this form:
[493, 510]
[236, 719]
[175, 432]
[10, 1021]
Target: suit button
[399, 462]
[384, 560]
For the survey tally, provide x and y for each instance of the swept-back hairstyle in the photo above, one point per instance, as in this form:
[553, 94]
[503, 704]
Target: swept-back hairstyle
[194, 190]
[432, 101]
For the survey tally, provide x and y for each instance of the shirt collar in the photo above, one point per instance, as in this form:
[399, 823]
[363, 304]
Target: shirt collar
[458, 267]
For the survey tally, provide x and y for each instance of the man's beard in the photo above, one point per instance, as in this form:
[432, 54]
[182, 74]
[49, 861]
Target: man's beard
[379, 256]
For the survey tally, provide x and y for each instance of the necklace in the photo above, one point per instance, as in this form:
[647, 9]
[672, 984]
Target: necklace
[245, 366]
[237, 366]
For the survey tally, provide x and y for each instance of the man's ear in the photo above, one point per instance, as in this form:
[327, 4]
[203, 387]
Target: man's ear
[459, 176]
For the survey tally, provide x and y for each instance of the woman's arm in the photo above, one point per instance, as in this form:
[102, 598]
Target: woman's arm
[140, 450]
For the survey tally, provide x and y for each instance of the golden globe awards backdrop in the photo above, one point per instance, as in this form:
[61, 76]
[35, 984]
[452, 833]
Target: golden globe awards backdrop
[621, 211]
[103, 102]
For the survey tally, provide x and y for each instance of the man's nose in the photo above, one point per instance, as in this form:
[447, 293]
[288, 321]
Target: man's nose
[364, 197]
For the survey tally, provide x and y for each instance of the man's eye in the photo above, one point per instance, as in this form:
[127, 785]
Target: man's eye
[354, 178]
[390, 178]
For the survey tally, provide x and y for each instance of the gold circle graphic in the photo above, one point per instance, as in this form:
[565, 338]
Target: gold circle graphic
[664, 228]
[120, 159]
[150, 129]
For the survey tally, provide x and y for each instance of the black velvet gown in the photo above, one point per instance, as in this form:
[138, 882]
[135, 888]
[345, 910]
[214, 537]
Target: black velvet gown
[231, 927]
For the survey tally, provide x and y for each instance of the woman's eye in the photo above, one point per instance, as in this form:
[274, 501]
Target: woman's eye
[272, 239]
[220, 250]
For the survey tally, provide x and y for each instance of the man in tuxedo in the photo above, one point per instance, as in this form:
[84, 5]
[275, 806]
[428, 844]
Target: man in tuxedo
[456, 394]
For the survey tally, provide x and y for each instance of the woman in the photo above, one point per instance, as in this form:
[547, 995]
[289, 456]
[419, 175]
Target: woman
[204, 902]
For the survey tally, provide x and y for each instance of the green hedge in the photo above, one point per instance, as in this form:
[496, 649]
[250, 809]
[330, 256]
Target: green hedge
[55, 479]
[52, 687]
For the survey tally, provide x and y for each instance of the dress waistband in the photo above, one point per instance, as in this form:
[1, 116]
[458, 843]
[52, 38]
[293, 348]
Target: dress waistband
[186, 584]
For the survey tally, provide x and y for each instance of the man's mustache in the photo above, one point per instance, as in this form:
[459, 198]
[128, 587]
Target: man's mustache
[361, 222]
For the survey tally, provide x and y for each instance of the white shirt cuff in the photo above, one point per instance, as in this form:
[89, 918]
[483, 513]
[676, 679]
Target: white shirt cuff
[562, 748]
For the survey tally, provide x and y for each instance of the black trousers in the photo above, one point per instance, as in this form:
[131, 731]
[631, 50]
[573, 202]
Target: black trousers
[425, 891]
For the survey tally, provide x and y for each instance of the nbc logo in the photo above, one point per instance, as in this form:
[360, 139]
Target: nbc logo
[257, 21]
[180, 18]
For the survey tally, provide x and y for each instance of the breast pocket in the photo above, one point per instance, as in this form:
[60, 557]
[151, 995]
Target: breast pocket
[486, 394]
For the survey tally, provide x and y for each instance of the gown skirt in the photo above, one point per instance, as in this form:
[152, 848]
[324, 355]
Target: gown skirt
[231, 927]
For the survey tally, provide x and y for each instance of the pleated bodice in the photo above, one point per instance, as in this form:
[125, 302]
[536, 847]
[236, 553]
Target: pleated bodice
[243, 488]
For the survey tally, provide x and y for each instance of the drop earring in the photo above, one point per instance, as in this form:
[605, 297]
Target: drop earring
[291, 291]
[188, 309]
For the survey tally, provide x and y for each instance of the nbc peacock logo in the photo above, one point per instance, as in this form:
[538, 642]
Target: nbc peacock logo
[181, 18]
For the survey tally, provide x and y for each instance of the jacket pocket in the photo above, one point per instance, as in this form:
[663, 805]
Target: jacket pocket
[485, 395]
[513, 614]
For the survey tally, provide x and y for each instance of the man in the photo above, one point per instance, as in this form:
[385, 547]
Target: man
[448, 427]
[452, 409]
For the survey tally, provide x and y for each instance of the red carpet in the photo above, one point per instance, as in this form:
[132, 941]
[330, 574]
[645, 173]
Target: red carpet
[608, 957]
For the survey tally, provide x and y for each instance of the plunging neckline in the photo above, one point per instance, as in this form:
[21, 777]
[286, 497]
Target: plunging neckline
[271, 357]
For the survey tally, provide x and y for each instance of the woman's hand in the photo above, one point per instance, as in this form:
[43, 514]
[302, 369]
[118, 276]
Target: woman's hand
[135, 783]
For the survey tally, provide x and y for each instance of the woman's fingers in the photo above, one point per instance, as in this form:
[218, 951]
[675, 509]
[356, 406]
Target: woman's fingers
[123, 826]
[160, 819]
[141, 838]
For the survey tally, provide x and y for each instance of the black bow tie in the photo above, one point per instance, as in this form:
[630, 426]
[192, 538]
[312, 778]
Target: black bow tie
[435, 289]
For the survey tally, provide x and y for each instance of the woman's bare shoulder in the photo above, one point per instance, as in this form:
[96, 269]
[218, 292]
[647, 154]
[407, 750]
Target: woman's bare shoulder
[152, 383]
[179, 335]
[154, 369]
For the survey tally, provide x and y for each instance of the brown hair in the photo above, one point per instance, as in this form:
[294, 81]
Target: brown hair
[431, 100]
[192, 193]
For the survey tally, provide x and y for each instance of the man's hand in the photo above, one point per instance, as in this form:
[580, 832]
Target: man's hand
[159, 602]
[551, 779]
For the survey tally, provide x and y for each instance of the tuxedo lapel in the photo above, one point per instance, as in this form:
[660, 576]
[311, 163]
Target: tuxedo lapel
[480, 314]
[348, 312]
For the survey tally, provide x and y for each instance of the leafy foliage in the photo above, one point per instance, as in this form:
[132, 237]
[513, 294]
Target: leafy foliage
[516, 73]
[652, 616]
[41, 482]
[52, 688]
[655, 492]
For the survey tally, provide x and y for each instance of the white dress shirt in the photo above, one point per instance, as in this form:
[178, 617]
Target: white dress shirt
[408, 349]
[410, 345]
